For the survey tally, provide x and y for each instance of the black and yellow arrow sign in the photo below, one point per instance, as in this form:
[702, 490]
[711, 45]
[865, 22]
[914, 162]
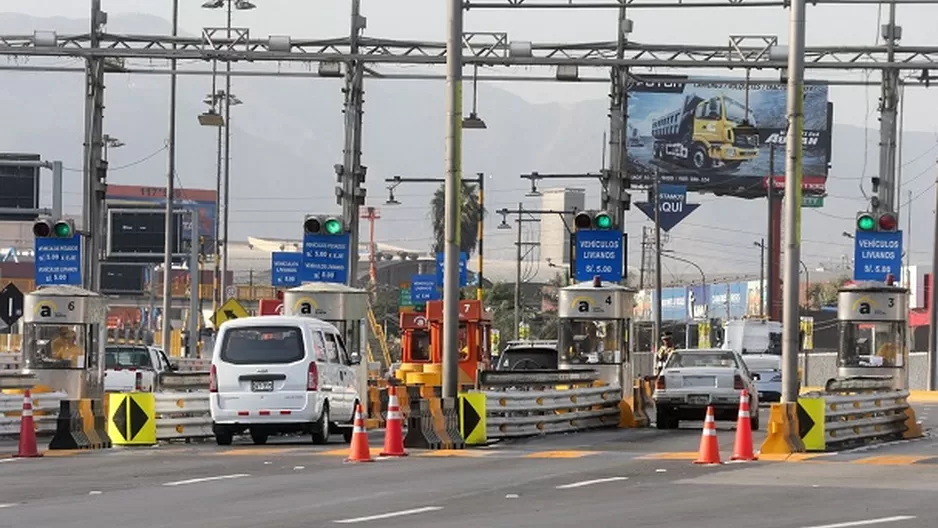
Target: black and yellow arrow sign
[132, 419]
[472, 418]
[232, 309]
[811, 423]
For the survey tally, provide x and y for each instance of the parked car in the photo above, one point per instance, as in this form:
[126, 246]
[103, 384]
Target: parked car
[693, 379]
[282, 375]
[130, 368]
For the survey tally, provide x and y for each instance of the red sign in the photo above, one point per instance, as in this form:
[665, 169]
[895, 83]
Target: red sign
[811, 184]
[270, 307]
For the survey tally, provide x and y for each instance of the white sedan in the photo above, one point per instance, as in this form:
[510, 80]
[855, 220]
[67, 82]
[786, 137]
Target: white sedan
[694, 379]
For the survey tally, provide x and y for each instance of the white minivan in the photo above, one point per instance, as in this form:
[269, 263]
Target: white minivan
[281, 375]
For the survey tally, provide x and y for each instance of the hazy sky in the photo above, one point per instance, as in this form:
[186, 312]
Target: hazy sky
[856, 25]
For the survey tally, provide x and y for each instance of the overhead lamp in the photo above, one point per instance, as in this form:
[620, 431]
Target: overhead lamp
[473, 122]
[330, 69]
[244, 5]
[211, 118]
[391, 199]
[504, 224]
[214, 4]
[533, 193]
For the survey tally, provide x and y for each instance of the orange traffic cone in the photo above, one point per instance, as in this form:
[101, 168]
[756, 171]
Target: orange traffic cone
[394, 430]
[709, 449]
[28, 447]
[359, 450]
[742, 448]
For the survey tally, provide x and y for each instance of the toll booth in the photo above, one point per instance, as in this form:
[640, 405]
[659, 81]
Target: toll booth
[415, 338]
[595, 328]
[475, 337]
[64, 336]
[873, 323]
[342, 306]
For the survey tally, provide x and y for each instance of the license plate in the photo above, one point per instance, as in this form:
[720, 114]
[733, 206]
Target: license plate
[698, 400]
[262, 386]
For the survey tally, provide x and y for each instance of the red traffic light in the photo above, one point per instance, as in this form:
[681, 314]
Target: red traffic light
[887, 222]
[582, 221]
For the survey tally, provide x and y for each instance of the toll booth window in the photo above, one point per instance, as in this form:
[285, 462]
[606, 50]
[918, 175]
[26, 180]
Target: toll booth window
[59, 346]
[872, 345]
[263, 345]
[463, 342]
[591, 341]
[420, 345]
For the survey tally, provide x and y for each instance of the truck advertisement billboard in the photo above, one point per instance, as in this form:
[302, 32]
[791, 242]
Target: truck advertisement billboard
[718, 136]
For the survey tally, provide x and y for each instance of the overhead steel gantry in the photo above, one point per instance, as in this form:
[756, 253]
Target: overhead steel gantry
[483, 49]
[660, 4]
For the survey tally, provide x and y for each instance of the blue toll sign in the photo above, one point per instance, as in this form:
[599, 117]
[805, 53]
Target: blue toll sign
[599, 253]
[423, 288]
[876, 255]
[325, 258]
[58, 261]
[673, 206]
[463, 271]
[285, 268]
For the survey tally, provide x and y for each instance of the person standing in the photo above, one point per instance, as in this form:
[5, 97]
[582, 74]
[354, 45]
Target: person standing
[664, 352]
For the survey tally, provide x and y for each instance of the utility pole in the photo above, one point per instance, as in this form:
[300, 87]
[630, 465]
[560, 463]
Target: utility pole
[793, 178]
[762, 248]
[95, 168]
[227, 177]
[195, 287]
[351, 174]
[518, 257]
[773, 249]
[617, 183]
[452, 198]
[658, 329]
[641, 270]
[170, 193]
[932, 303]
[889, 103]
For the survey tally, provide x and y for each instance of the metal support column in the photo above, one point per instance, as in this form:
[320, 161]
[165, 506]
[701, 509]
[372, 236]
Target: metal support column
[889, 105]
[170, 194]
[453, 190]
[195, 285]
[519, 256]
[226, 200]
[93, 187]
[793, 178]
[480, 238]
[655, 339]
[352, 176]
[618, 130]
[932, 302]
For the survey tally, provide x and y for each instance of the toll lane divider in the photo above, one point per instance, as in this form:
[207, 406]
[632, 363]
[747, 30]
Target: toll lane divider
[14, 362]
[45, 412]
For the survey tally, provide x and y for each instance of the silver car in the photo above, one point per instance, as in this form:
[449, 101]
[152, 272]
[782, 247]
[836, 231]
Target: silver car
[693, 379]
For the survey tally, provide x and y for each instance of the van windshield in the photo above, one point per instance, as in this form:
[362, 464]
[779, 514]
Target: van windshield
[263, 345]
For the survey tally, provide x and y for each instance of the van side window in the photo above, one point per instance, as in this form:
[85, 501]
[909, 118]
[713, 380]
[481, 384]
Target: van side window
[343, 353]
[332, 348]
[319, 346]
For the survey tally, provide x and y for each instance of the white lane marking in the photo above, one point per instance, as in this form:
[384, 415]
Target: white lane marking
[2, 460]
[389, 515]
[867, 522]
[6, 506]
[206, 479]
[591, 482]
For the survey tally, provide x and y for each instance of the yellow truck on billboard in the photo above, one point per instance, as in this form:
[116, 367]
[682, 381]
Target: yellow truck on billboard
[712, 133]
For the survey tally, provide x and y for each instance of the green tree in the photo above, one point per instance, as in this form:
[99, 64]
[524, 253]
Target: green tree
[470, 214]
[500, 298]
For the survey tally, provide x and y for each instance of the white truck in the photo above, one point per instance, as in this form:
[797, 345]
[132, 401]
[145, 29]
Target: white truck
[759, 342]
[134, 368]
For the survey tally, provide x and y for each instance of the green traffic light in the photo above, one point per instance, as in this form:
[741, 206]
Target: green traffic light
[603, 221]
[63, 230]
[333, 226]
[865, 223]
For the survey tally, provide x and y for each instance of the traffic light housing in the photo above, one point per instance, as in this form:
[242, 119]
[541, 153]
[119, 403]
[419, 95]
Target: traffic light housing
[585, 220]
[323, 225]
[877, 222]
[49, 228]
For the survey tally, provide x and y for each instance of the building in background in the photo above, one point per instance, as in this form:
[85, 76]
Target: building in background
[555, 238]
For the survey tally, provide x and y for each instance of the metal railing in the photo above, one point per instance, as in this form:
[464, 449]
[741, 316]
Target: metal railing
[45, 410]
[831, 421]
[13, 362]
[182, 415]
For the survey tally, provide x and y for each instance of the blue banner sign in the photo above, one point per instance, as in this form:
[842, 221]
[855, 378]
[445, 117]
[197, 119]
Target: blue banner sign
[58, 261]
[673, 206]
[599, 253]
[463, 269]
[325, 258]
[285, 268]
[876, 255]
[423, 288]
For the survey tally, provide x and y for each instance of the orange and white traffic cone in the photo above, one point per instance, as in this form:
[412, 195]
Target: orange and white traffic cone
[709, 452]
[27, 447]
[742, 448]
[359, 450]
[394, 430]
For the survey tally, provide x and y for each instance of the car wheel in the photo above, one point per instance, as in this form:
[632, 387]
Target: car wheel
[223, 438]
[259, 437]
[321, 428]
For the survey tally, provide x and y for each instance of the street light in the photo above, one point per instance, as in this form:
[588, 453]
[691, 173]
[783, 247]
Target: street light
[703, 277]
[474, 122]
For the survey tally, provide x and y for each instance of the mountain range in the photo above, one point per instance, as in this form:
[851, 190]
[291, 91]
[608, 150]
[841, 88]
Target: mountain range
[287, 136]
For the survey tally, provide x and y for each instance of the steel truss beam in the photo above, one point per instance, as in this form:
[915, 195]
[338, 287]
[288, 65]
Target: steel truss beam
[656, 4]
[495, 50]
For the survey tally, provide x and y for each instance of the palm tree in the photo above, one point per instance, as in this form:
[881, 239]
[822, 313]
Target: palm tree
[470, 214]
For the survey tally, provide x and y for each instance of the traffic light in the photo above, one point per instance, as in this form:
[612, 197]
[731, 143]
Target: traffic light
[882, 222]
[323, 225]
[48, 228]
[592, 220]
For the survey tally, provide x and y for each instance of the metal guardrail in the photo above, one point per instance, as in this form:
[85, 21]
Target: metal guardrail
[518, 413]
[14, 362]
[45, 411]
[182, 415]
[518, 378]
[833, 421]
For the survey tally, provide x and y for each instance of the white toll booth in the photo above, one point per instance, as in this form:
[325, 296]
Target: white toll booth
[595, 328]
[873, 325]
[344, 307]
[64, 335]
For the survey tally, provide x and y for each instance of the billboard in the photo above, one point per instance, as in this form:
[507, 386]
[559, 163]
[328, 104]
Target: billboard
[202, 200]
[698, 302]
[738, 299]
[19, 187]
[705, 136]
[673, 304]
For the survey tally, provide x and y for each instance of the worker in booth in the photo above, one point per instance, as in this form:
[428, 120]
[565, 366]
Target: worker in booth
[65, 347]
[664, 352]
